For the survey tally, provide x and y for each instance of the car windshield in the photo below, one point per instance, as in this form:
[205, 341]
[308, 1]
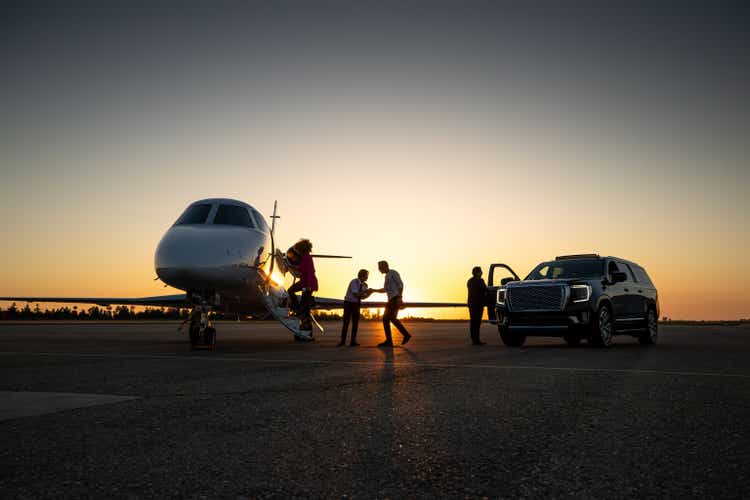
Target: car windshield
[564, 269]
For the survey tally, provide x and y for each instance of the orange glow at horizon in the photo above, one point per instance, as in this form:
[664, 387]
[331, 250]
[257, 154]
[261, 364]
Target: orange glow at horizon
[433, 206]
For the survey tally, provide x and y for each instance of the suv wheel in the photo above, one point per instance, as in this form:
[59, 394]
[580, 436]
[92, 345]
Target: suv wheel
[603, 329]
[651, 333]
[509, 338]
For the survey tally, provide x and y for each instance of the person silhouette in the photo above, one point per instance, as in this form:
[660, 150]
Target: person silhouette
[308, 283]
[477, 293]
[394, 288]
[356, 291]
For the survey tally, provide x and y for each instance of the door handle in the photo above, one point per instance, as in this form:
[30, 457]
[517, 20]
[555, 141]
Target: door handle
[627, 290]
[640, 291]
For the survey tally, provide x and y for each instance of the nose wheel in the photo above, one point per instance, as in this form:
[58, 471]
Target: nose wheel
[204, 339]
[201, 331]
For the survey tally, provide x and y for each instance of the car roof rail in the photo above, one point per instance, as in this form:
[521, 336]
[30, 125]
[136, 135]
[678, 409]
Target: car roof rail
[578, 256]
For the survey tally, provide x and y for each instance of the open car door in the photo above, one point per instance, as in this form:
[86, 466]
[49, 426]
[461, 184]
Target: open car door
[498, 275]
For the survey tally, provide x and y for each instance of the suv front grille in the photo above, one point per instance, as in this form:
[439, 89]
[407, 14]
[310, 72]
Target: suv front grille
[536, 298]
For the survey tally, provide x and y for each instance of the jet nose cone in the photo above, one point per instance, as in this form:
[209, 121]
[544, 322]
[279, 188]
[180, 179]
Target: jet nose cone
[180, 250]
[170, 253]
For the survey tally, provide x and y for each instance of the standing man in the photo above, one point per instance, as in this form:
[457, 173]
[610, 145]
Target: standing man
[394, 287]
[352, 302]
[477, 293]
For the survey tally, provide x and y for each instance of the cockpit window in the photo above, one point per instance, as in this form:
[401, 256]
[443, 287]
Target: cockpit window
[260, 221]
[194, 214]
[233, 215]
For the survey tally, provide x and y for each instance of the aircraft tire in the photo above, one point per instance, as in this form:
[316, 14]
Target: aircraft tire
[210, 336]
[194, 336]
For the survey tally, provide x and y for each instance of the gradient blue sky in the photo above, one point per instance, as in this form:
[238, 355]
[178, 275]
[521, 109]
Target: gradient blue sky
[436, 135]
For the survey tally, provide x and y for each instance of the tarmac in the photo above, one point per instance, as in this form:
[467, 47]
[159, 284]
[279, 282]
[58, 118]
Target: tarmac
[126, 410]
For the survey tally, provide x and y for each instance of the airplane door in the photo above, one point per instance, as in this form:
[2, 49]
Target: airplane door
[495, 277]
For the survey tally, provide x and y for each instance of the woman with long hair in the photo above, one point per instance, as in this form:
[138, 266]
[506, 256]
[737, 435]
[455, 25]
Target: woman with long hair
[307, 284]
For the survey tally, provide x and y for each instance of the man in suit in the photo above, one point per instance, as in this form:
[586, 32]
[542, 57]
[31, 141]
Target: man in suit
[477, 293]
[394, 288]
[356, 291]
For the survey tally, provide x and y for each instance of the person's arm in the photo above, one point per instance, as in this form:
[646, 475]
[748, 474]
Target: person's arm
[188, 319]
[364, 292]
[179, 328]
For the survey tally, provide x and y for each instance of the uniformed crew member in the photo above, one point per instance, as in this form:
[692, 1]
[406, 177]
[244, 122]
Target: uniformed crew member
[356, 291]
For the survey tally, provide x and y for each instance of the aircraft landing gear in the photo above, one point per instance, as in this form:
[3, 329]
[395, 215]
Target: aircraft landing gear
[202, 331]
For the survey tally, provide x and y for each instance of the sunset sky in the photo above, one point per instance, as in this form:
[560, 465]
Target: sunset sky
[437, 136]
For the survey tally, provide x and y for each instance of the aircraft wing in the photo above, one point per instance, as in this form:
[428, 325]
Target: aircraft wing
[178, 300]
[325, 303]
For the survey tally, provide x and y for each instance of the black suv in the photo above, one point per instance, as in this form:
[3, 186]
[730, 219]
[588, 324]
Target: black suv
[576, 297]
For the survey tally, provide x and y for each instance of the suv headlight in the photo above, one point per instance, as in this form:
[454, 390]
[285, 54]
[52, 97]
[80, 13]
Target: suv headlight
[501, 296]
[580, 293]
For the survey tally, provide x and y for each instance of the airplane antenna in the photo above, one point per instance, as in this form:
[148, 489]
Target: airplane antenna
[274, 216]
[273, 243]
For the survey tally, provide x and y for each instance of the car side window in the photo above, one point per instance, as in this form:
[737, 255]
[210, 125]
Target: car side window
[543, 272]
[633, 276]
[612, 267]
[642, 276]
[626, 269]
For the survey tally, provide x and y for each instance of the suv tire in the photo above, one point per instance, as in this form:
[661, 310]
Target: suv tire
[603, 328]
[509, 338]
[651, 334]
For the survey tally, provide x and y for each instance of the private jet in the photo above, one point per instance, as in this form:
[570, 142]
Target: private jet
[222, 253]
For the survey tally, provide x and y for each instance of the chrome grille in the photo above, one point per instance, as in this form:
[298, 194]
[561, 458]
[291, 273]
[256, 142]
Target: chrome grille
[536, 298]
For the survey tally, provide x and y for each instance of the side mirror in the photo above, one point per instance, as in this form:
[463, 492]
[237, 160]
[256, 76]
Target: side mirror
[507, 280]
[619, 277]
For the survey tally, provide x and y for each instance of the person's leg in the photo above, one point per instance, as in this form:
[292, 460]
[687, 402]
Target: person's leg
[345, 326]
[399, 326]
[475, 315]
[387, 323]
[394, 319]
[306, 303]
[292, 291]
[355, 323]
[471, 325]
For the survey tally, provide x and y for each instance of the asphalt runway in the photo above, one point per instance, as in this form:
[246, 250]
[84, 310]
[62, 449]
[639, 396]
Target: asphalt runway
[140, 415]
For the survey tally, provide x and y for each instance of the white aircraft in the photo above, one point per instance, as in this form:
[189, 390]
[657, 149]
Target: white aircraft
[222, 253]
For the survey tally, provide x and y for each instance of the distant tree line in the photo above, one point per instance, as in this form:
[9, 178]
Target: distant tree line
[124, 313]
[723, 322]
[97, 313]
